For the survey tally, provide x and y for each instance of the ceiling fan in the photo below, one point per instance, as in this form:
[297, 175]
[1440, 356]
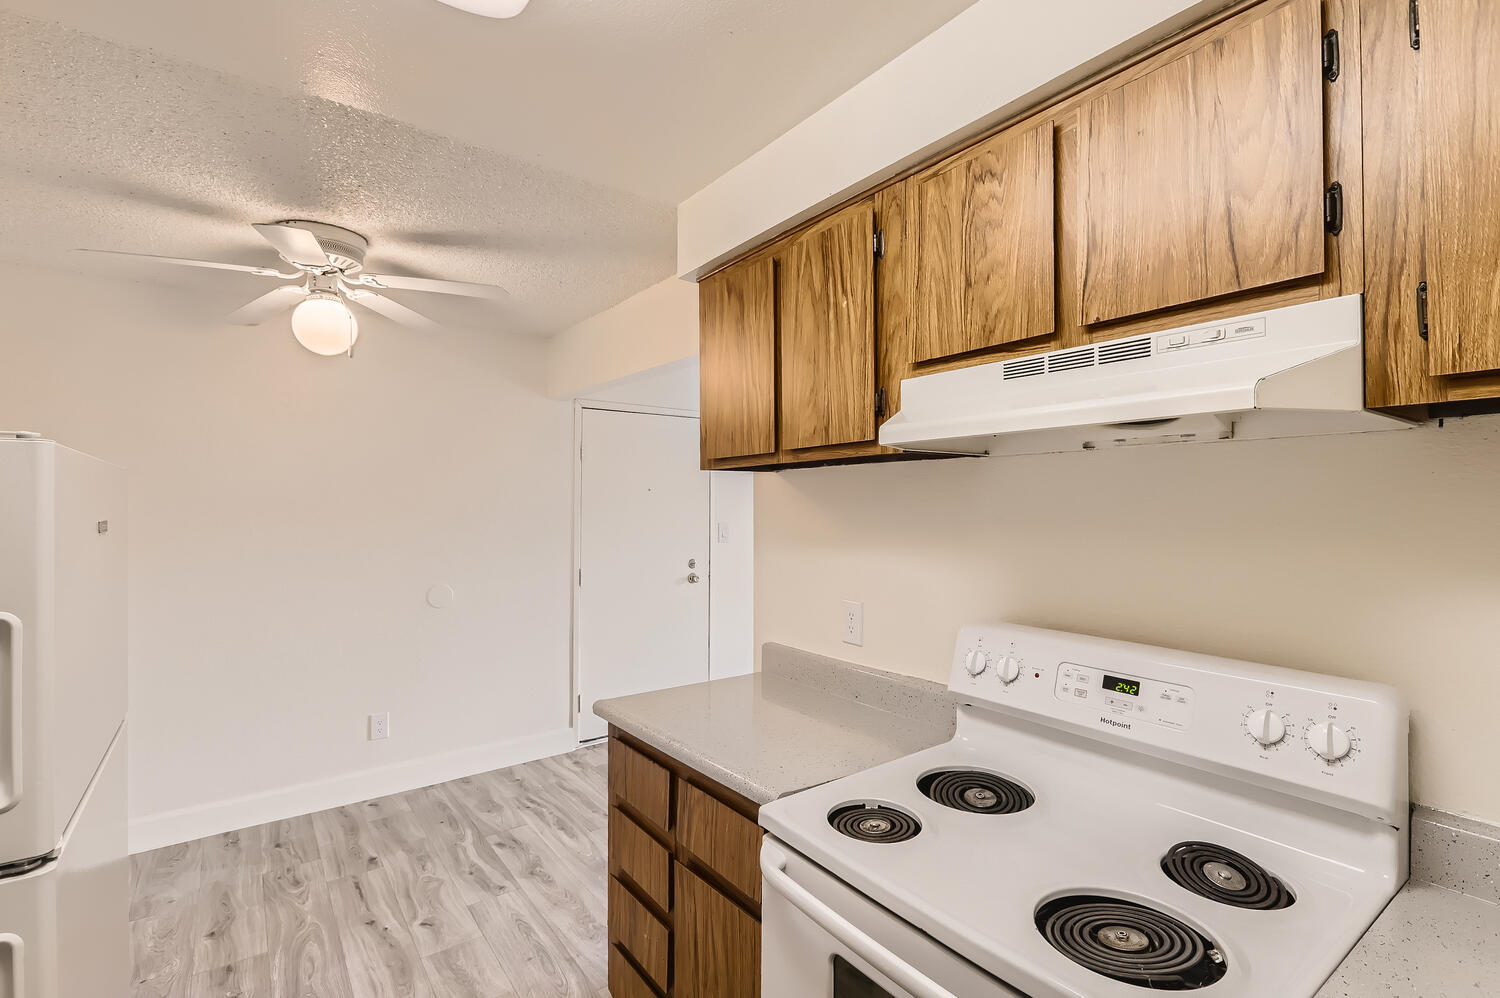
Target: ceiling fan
[329, 273]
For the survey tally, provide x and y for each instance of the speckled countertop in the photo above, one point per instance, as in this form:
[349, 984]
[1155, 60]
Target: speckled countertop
[803, 720]
[806, 719]
[1439, 937]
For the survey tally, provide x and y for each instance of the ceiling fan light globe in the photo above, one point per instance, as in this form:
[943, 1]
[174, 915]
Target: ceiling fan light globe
[489, 8]
[324, 325]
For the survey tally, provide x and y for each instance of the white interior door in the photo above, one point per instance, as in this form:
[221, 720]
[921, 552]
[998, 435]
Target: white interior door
[642, 588]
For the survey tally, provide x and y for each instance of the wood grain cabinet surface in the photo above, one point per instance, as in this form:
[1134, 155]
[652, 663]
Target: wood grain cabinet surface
[827, 328]
[985, 251]
[684, 905]
[737, 361]
[1432, 201]
[1205, 177]
[1276, 153]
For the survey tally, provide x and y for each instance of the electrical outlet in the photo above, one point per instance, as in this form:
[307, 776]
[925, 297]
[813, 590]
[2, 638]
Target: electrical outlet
[854, 622]
[380, 726]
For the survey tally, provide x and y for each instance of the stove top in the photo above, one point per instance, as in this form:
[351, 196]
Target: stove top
[1071, 858]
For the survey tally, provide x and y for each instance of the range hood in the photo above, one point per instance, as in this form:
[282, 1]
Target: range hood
[1285, 372]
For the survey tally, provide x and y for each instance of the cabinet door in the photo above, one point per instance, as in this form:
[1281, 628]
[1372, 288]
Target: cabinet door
[1205, 177]
[737, 360]
[716, 944]
[828, 332]
[1460, 112]
[985, 246]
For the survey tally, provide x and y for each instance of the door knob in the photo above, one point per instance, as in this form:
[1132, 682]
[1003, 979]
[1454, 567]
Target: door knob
[692, 576]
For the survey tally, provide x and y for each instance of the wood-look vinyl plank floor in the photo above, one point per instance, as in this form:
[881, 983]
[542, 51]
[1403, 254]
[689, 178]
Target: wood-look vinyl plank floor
[492, 886]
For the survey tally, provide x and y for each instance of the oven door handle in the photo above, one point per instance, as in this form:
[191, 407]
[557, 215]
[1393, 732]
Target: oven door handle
[773, 869]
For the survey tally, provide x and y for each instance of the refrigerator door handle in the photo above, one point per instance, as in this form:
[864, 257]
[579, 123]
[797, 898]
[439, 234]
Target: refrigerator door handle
[12, 978]
[11, 647]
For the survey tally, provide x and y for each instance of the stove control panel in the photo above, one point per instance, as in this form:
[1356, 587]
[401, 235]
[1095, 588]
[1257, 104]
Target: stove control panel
[1320, 737]
[1129, 697]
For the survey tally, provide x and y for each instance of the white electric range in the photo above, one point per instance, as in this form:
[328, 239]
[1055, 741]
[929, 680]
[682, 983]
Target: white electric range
[1109, 818]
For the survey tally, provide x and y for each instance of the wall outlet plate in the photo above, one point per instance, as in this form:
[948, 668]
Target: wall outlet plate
[854, 622]
[380, 726]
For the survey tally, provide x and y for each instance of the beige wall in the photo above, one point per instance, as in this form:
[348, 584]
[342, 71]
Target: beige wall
[288, 514]
[1375, 556]
[647, 330]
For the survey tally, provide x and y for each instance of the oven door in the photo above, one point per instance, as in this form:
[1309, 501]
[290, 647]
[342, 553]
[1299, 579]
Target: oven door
[822, 939]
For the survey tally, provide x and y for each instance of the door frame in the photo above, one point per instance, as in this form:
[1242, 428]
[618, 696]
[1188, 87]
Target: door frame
[580, 405]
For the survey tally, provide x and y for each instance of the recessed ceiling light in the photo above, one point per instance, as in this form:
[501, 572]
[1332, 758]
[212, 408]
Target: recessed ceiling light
[489, 8]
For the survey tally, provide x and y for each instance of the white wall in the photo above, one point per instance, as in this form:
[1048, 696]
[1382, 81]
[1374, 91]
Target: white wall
[996, 57]
[1375, 556]
[288, 514]
[647, 330]
[731, 593]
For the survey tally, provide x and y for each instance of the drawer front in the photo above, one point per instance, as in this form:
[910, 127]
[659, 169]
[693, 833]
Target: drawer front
[722, 838]
[716, 945]
[638, 931]
[637, 857]
[624, 982]
[640, 783]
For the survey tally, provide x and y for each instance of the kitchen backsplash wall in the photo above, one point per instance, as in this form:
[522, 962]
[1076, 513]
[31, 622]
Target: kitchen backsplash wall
[1375, 556]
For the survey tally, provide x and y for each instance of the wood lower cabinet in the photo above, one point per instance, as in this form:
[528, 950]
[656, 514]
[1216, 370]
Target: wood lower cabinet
[684, 880]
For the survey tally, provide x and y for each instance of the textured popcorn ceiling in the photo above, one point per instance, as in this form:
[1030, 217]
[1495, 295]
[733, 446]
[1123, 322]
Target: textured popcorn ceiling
[544, 153]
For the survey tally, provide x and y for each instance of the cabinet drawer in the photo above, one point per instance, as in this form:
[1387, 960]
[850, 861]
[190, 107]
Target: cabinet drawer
[638, 931]
[725, 840]
[624, 982]
[640, 783]
[636, 856]
[716, 945]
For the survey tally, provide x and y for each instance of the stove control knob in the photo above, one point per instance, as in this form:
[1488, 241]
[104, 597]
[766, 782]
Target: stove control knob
[1266, 727]
[1328, 740]
[1008, 669]
[976, 661]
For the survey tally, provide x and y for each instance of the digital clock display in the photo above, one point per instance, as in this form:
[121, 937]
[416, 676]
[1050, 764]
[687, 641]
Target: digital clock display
[1129, 687]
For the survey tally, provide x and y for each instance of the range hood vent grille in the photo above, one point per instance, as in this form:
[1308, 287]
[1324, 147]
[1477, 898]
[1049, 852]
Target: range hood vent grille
[1133, 349]
[1077, 358]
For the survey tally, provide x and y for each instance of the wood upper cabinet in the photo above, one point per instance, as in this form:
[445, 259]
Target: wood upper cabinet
[985, 225]
[1432, 201]
[1459, 84]
[827, 309]
[1204, 177]
[737, 360]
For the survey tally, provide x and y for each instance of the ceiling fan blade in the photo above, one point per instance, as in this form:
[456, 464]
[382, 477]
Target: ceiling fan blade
[393, 310]
[181, 262]
[296, 245]
[464, 288]
[268, 305]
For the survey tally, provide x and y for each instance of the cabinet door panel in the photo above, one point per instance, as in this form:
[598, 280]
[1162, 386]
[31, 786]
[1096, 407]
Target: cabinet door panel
[828, 332]
[737, 360]
[715, 943]
[1460, 110]
[986, 249]
[1205, 177]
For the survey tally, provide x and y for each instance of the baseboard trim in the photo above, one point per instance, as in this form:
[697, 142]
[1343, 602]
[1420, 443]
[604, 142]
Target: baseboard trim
[188, 823]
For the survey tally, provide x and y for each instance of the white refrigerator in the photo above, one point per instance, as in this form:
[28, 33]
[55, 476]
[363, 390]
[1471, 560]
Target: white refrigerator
[64, 872]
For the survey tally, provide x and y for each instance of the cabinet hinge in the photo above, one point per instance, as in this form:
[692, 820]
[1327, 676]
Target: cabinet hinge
[879, 244]
[880, 403]
[1422, 309]
[1333, 209]
[1414, 24]
[580, 576]
[1331, 54]
[580, 703]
